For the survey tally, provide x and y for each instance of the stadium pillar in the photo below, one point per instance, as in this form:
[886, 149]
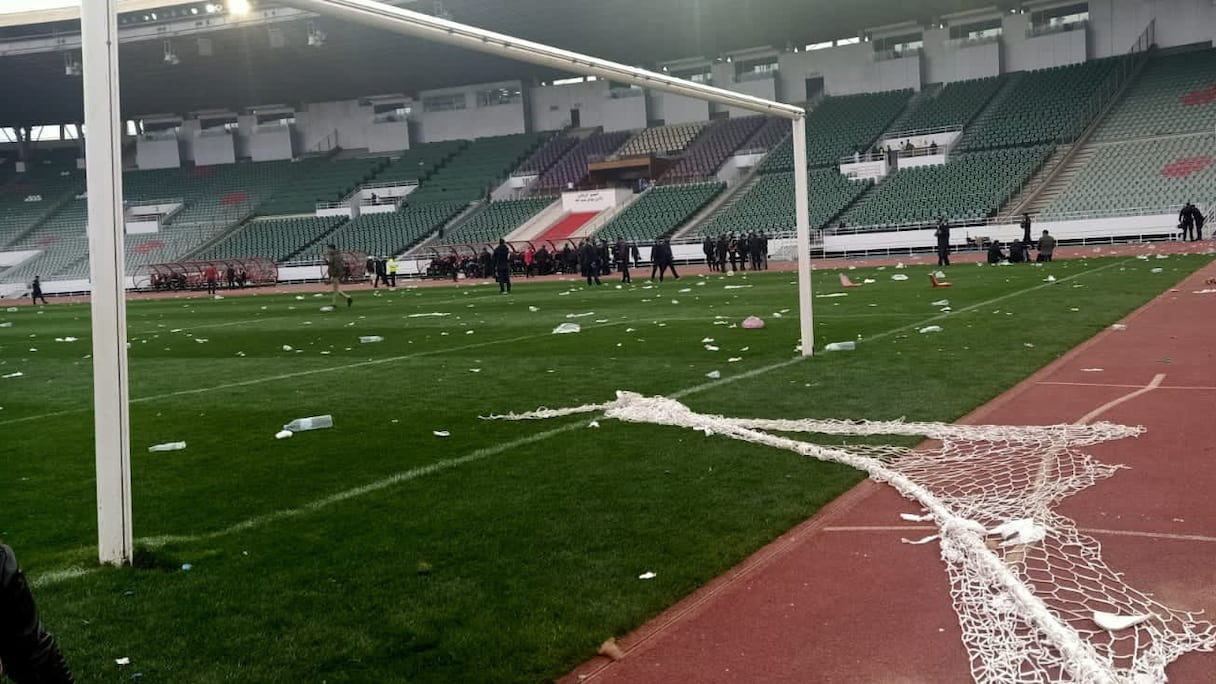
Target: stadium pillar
[802, 221]
[103, 154]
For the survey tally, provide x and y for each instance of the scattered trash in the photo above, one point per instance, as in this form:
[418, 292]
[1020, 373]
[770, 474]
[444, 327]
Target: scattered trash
[200, 340]
[834, 294]
[841, 346]
[647, 576]
[941, 302]
[428, 315]
[310, 423]
[930, 329]
[1157, 270]
[714, 375]
[1206, 291]
[326, 309]
[581, 315]
[1028, 345]
[752, 323]
[299, 298]
[187, 567]
[65, 339]
[735, 287]
[593, 424]
[6, 324]
[734, 359]
[284, 434]
[441, 433]
[899, 276]
[1113, 622]
[533, 309]
[11, 309]
[122, 661]
[1118, 326]
[567, 328]
[370, 339]
[1092, 370]
[1049, 279]
[609, 649]
[707, 340]
[474, 370]
[1019, 532]
[899, 265]
[168, 446]
[288, 347]
[710, 347]
[869, 281]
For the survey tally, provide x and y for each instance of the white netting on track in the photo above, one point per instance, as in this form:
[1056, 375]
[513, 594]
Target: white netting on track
[1035, 600]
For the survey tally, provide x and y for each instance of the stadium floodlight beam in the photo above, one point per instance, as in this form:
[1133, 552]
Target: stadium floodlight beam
[383, 16]
[103, 155]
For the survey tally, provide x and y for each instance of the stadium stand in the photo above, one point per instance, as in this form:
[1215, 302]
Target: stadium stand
[971, 187]
[1040, 107]
[572, 168]
[474, 171]
[661, 139]
[1144, 174]
[841, 125]
[547, 155]
[1175, 93]
[394, 232]
[707, 153]
[957, 104]
[28, 198]
[769, 135]
[315, 180]
[496, 220]
[419, 162]
[768, 205]
[276, 239]
[660, 211]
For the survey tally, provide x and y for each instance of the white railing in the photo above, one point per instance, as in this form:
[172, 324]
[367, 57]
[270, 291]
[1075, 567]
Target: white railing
[1081, 215]
[917, 132]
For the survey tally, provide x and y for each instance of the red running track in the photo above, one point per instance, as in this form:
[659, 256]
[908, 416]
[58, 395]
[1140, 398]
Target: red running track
[840, 599]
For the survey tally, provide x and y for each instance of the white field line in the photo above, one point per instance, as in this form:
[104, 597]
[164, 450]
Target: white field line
[57, 576]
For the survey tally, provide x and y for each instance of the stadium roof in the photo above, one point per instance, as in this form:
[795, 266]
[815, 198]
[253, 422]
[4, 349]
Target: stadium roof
[244, 70]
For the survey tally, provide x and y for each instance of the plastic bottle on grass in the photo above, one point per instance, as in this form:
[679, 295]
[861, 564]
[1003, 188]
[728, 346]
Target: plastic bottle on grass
[312, 423]
[168, 446]
[841, 346]
[371, 339]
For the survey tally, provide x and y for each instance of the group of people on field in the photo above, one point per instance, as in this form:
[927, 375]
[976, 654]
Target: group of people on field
[737, 251]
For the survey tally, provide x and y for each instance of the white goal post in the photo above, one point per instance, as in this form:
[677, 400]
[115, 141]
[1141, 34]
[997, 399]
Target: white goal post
[99, 37]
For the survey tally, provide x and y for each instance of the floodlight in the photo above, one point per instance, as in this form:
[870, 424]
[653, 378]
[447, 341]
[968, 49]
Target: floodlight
[239, 7]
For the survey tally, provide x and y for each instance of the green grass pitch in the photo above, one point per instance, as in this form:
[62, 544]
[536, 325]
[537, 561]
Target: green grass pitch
[506, 552]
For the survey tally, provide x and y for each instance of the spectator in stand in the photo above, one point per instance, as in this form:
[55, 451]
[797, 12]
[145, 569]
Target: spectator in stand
[708, 248]
[36, 291]
[589, 261]
[943, 242]
[212, 276]
[392, 272]
[28, 653]
[622, 260]
[995, 255]
[1047, 247]
[933, 147]
[334, 270]
[529, 261]
[502, 266]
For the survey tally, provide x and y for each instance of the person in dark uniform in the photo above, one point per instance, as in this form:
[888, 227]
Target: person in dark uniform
[28, 653]
[723, 250]
[1026, 230]
[605, 258]
[764, 250]
[753, 249]
[1186, 222]
[995, 254]
[663, 259]
[1047, 247]
[36, 291]
[732, 248]
[1200, 219]
[589, 262]
[708, 248]
[230, 276]
[622, 260]
[370, 268]
[943, 242]
[502, 266]
[744, 246]
[381, 272]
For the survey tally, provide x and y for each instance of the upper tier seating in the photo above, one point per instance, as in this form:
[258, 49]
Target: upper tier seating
[956, 105]
[707, 153]
[769, 135]
[661, 139]
[1174, 94]
[660, 211]
[768, 205]
[496, 220]
[276, 239]
[317, 180]
[1043, 107]
[1146, 175]
[840, 125]
[29, 197]
[395, 232]
[971, 186]
[547, 154]
[572, 168]
[475, 170]
[419, 162]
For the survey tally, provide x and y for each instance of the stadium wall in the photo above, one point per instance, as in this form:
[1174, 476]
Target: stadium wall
[846, 70]
[945, 62]
[498, 119]
[551, 107]
[1114, 25]
[675, 109]
[1024, 53]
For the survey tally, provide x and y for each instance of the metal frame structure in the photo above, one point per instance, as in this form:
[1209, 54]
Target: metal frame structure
[99, 36]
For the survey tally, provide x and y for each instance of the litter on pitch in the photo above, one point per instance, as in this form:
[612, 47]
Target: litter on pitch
[714, 375]
[753, 323]
[567, 329]
[370, 339]
[930, 329]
